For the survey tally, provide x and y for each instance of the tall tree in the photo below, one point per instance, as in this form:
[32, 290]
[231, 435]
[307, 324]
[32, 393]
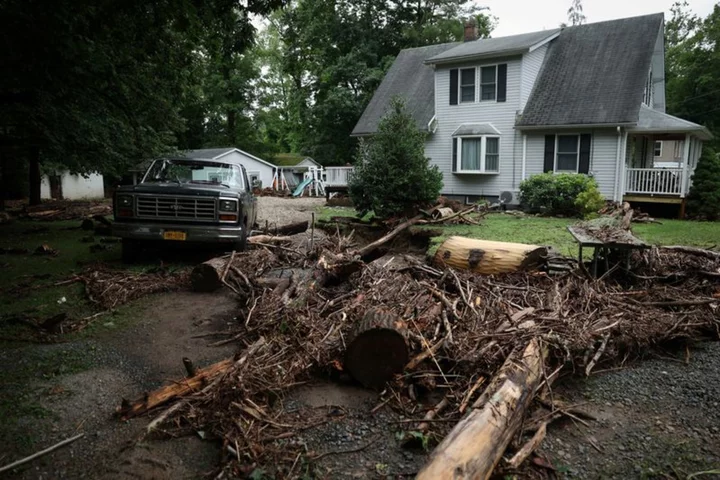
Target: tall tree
[334, 54]
[575, 13]
[95, 85]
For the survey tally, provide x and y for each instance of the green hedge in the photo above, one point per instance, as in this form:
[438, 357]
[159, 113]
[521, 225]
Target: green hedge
[561, 194]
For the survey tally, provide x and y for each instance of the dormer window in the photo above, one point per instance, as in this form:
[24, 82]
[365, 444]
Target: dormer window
[488, 83]
[467, 85]
[648, 93]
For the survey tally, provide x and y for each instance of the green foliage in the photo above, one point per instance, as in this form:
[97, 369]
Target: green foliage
[692, 46]
[392, 175]
[704, 198]
[560, 194]
[324, 61]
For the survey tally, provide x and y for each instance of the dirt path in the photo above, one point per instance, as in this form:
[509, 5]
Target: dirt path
[281, 211]
[122, 364]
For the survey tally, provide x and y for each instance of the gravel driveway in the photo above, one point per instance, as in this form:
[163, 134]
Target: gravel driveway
[657, 419]
[281, 211]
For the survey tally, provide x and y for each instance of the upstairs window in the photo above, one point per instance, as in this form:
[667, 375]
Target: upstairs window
[479, 154]
[467, 85]
[648, 93]
[488, 83]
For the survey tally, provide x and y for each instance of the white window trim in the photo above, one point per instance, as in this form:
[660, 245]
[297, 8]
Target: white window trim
[661, 148]
[460, 85]
[483, 146]
[479, 97]
[577, 160]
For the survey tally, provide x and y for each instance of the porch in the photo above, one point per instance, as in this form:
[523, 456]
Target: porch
[662, 152]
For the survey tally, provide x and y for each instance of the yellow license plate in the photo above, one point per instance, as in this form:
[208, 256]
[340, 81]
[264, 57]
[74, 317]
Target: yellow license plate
[170, 235]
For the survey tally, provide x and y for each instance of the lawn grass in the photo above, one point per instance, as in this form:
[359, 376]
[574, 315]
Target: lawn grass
[553, 232]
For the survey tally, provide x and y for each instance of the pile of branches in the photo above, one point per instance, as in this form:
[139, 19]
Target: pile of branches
[110, 288]
[460, 326]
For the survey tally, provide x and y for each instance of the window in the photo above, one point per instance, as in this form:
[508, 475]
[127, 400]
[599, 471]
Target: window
[568, 153]
[658, 149]
[488, 83]
[467, 85]
[479, 154]
[648, 93]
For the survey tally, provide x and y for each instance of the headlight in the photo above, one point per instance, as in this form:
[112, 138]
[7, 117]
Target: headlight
[124, 201]
[228, 205]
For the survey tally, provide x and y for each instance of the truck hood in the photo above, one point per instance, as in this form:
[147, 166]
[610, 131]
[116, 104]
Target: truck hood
[182, 189]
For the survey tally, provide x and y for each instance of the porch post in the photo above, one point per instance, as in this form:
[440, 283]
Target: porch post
[686, 159]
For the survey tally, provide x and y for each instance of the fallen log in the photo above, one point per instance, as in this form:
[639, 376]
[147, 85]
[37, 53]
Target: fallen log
[476, 444]
[208, 276]
[376, 348]
[488, 257]
[291, 229]
[180, 388]
[174, 390]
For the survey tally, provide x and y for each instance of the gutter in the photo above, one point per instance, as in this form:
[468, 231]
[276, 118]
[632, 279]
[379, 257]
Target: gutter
[574, 126]
[618, 180]
[477, 56]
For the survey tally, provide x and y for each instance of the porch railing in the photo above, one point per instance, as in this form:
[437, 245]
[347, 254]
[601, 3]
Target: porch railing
[654, 181]
[337, 176]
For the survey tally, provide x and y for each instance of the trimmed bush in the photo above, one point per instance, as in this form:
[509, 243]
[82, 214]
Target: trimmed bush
[392, 175]
[561, 194]
[703, 200]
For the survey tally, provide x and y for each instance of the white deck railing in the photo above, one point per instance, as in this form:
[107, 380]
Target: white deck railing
[337, 176]
[654, 181]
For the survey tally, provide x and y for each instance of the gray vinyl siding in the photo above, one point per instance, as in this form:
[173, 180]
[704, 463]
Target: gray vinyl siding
[500, 114]
[532, 62]
[603, 156]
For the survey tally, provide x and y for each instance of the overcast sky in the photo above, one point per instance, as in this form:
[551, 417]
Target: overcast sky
[521, 16]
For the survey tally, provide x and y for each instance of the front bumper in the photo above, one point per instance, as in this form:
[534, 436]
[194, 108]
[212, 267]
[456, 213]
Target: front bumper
[194, 233]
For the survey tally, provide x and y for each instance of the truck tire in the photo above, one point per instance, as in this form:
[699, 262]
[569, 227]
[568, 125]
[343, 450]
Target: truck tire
[241, 244]
[130, 250]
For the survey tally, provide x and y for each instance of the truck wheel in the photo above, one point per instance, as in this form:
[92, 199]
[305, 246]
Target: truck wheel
[241, 245]
[130, 250]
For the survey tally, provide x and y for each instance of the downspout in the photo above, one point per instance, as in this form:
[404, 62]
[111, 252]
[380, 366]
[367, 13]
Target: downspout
[524, 157]
[618, 178]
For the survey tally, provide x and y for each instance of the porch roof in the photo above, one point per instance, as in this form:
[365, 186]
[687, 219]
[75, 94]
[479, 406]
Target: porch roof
[654, 121]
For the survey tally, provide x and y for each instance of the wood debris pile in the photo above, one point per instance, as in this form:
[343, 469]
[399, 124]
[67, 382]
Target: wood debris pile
[111, 288]
[467, 330]
[66, 210]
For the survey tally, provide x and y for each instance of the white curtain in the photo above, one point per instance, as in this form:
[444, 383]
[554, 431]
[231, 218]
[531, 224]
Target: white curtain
[470, 154]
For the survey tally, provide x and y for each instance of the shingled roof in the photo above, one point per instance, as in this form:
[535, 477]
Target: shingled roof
[594, 74]
[493, 47]
[409, 78]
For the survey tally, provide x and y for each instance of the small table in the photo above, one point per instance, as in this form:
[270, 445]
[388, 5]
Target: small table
[626, 243]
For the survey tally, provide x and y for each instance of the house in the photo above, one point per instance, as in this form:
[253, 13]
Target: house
[294, 167]
[585, 99]
[70, 186]
[260, 172]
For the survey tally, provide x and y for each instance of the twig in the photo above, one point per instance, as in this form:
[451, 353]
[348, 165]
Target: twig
[598, 354]
[41, 453]
[227, 266]
[430, 415]
[469, 394]
[529, 447]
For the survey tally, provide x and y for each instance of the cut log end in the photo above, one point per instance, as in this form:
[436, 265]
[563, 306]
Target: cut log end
[205, 277]
[377, 349]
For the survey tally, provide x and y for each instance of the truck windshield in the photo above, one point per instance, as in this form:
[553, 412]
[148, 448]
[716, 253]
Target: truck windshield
[195, 172]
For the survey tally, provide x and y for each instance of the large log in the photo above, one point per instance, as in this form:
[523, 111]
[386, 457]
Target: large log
[376, 348]
[487, 257]
[208, 276]
[476, 444]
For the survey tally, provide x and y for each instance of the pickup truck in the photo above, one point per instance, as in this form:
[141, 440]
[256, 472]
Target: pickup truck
[189, 201]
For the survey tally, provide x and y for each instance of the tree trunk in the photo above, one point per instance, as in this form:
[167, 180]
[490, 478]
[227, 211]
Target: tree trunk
[376, 348]
[207, 276]
[476, 444]
[35, 179]
[488, 257]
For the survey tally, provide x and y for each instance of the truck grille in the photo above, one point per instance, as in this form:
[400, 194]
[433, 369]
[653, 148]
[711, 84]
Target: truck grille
[185, 208]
